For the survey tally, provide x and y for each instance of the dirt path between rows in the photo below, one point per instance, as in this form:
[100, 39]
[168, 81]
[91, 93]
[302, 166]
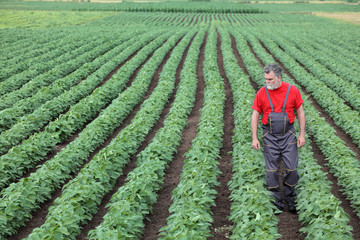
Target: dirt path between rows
[221, 227]
[172, 176]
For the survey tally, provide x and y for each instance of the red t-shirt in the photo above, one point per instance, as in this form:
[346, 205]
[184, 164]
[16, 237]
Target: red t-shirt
[262, 105]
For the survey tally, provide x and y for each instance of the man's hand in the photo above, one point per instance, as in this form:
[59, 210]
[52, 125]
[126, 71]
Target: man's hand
[256, 144]
[254, 125]
[301, 141]
[301, 117]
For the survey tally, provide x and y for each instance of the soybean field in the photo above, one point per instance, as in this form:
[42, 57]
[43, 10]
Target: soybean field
[132, 120]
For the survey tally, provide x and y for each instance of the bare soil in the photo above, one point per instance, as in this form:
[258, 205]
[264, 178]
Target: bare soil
[172, 177]
[221, 227]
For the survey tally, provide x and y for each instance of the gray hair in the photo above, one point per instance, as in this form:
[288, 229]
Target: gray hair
[273, 67]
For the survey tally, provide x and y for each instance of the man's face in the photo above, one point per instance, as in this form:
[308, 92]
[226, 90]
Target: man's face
[271, 81]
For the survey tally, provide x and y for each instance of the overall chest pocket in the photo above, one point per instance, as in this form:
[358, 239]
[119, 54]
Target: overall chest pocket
[278, 122]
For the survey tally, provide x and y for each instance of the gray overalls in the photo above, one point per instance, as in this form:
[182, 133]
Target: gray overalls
[280, 142]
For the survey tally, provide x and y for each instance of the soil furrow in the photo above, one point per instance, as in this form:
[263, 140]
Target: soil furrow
[191, 21]
[197, 19]
[172, 176]
[228, 19]
[221, 226]
[241, 63]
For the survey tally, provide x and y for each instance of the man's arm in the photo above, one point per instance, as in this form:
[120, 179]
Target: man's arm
[301, 116]
[254, 127]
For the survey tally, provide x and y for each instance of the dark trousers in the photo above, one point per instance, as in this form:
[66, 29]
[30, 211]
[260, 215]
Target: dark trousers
[277, 147]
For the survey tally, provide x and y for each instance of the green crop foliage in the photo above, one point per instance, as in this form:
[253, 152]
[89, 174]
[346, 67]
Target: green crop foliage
[72, 73]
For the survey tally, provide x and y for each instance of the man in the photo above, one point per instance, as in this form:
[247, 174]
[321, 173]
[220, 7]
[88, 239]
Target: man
[276, 102]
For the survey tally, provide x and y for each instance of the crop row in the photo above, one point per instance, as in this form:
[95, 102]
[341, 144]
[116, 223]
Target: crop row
[251, 210]
[347, 55]
[204, 20]
[28, 98]
[43, 73]
[18, 43]
[133, 201]
[347, 90]
[190, 212]
[82, 195]
[350, 43]
[242, 20]
[171, 7]
[122, 21]
[33, 122]
[32, 79]
[183, 19]
[12, 115]
[171, 19]
[53, 49]
[318, 208]
[253, 20]
[59, 168]
[167, 19]
[11, 39]
[16, 56]
[343, 67]
[32, 150]
[319, 211]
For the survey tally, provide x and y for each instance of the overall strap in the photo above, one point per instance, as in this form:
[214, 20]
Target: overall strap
[271, 104]
[287, 94]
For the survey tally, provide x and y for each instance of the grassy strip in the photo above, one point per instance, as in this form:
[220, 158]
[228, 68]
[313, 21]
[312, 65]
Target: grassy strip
[47, 19]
